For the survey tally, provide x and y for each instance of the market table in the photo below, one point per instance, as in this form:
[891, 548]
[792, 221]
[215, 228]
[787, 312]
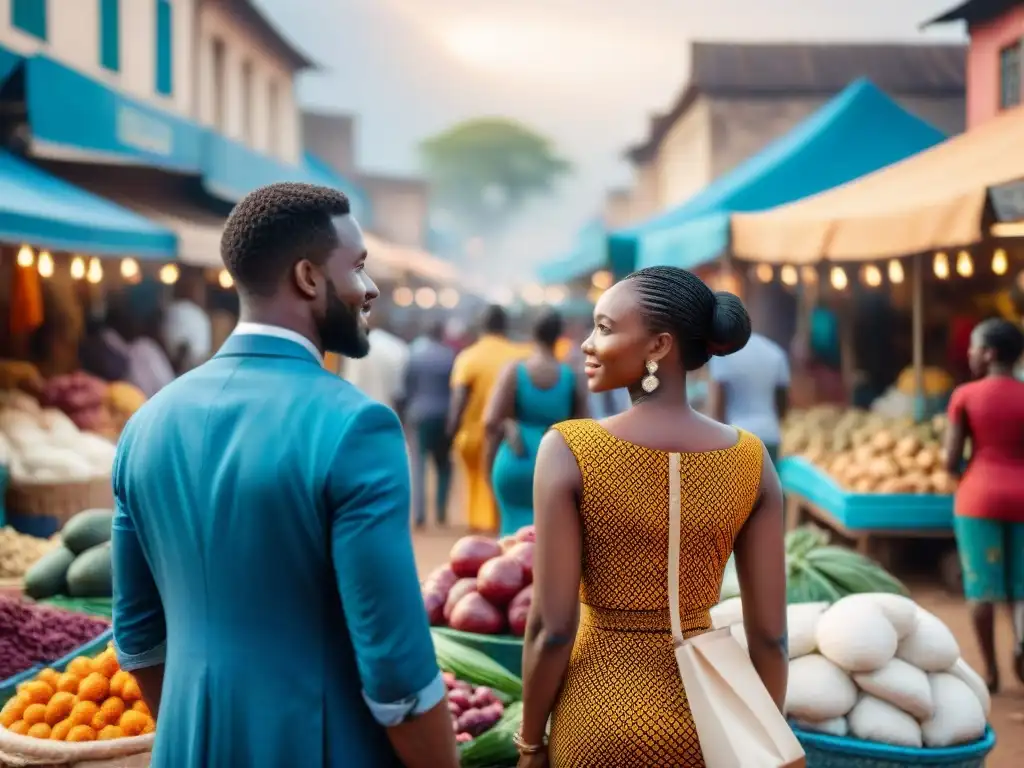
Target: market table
[865, 519]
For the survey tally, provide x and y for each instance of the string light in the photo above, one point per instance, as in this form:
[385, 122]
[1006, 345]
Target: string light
[896, 272]
[224, 279]
[764, 273]
[45, 264]
[402, 296]
[602, 280]
[999, 262]
[555, 294]
[838, 278]
[789, 276]
[448, 298]
[533, 295]
[872, 276]
[25, 256]
[964, 264]
[94, 274]
[169, 274]
[940, 265]
[426, 297]
[809, 275]
[77, 268]
[129, 268]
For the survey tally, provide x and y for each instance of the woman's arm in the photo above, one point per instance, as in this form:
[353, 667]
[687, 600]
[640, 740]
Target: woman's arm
[551, 627]
[761, 567]
[500, 407]
[956, 434]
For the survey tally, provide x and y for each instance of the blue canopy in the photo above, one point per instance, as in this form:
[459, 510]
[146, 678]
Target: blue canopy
[47, 212]
[586, 256]
[857, 132]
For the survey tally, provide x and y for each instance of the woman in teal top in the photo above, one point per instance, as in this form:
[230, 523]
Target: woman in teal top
[528, 399]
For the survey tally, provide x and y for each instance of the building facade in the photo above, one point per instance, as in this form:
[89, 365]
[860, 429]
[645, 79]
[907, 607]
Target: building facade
[995, 59]
[741, 97]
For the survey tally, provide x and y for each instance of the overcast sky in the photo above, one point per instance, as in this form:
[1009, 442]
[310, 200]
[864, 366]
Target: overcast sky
[585, 72]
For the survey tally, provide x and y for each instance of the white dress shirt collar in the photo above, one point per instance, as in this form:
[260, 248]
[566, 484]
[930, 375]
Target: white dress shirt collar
[262, 329]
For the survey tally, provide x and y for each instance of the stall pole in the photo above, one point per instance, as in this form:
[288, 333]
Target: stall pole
[917, 302]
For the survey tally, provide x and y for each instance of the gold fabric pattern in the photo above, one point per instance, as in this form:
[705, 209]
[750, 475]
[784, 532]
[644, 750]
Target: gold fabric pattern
[623, 704]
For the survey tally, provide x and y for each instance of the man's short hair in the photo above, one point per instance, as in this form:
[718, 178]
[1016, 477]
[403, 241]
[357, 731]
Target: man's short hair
[275, 226]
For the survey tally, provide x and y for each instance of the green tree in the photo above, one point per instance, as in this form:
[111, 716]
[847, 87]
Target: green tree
[483, 171]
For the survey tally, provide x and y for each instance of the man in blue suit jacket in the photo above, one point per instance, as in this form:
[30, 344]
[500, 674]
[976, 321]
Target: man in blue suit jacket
[265, 590]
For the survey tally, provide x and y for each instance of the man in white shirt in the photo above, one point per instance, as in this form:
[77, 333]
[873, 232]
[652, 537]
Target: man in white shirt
[381, 374]
[187, 332]
[750, 390]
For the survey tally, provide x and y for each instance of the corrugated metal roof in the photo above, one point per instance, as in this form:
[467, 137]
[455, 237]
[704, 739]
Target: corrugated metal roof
[810, 69]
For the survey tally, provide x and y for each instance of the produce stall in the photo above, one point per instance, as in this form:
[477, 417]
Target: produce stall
[482, 597]
[876, 680]
[867, 476]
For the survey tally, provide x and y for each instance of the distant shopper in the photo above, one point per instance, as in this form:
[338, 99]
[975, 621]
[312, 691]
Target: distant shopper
[424, 409]
[149, 369]
[186, 330]
[380, 374]
[989, 505]
[750, 390]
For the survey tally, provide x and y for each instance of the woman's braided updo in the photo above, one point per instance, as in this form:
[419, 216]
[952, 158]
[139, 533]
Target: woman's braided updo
[703, 322]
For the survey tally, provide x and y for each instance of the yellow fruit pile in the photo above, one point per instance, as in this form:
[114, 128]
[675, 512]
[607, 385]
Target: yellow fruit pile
[94, 700]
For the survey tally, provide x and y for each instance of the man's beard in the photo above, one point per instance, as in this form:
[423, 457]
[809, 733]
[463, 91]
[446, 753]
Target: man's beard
[342, 331]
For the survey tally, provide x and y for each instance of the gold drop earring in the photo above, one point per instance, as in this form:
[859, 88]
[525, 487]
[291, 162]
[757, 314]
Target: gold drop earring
[650, 382]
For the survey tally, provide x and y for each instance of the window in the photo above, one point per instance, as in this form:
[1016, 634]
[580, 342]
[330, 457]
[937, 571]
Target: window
[274, 118]
[164, 48]
[247, 84]
[30, 17]
[217, 63]
[110, 34]
[1009, 76]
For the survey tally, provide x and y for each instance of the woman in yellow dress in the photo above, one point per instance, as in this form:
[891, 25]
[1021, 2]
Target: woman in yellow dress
[610, 682]
[476, 371]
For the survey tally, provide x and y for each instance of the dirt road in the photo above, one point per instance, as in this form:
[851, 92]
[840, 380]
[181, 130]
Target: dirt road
[433, 545]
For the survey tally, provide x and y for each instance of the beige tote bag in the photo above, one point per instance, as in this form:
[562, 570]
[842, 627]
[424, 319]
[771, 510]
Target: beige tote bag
[737, 722]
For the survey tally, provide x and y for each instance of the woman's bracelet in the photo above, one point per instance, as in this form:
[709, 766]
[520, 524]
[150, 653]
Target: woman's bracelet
[527, 749]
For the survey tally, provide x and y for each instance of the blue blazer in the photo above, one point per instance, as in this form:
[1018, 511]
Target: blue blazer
[262, 551]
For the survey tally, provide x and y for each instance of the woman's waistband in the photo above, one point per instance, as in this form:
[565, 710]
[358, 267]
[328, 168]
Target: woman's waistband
[693, 621]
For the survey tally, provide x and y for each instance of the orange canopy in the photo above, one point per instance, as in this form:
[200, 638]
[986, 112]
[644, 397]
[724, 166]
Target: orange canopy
[934, 199]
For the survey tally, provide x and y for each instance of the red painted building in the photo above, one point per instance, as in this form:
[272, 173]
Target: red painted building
[995, 58]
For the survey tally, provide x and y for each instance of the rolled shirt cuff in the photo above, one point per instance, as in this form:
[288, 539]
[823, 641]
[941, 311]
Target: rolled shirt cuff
[132, 661]
[397, 712]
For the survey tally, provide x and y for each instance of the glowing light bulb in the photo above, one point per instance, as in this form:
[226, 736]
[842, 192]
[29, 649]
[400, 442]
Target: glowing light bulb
[872, 276]
[77, 268]
[809, 275]
[764, 273]
[789, 276]
[403, 297]
[94, 274]
[45, 264]
[224, 279]
[25, 256]
[964, 264]
[940, 265]
[448, 298]
[838, 278]
[999, 262]
[129, 268]
[426, 297]
[602, 280]
[896, 272]
[169, 274]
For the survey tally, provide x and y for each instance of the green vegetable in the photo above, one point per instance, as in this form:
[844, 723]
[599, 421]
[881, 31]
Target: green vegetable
[494, 747]
[474, 667]
[91, 574]
[48, 576]
[91, 606]
[817, 571]
[87, 529]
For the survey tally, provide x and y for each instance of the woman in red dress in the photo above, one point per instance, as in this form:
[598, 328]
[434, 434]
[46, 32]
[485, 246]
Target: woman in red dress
[989, 506]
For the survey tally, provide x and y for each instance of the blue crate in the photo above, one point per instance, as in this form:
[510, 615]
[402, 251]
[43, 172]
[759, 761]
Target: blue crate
[865, 511]
[40, 526]
[825, 751]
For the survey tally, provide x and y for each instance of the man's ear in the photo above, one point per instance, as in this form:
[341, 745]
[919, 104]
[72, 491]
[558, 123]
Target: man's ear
[306, 278]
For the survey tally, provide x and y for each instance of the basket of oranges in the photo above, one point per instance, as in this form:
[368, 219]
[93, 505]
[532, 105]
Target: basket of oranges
[88, 709]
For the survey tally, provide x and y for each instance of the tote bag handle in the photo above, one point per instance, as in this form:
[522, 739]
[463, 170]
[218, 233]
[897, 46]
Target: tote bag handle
[737, 722]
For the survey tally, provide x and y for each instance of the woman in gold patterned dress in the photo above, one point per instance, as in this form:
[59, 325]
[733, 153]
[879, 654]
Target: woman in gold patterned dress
[610, 683]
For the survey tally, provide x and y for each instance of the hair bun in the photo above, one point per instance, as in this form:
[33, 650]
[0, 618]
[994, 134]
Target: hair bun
[730, 325]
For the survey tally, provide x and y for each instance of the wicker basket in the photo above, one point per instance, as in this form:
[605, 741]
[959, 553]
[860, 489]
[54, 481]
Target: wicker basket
[42, 509]
[834, 752]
